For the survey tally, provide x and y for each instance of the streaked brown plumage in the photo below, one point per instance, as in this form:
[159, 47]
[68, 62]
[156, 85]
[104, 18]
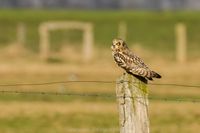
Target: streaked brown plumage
[130, 62]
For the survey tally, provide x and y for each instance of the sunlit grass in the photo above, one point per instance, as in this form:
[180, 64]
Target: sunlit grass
[92, 117]
[49, 113]
[152, 30]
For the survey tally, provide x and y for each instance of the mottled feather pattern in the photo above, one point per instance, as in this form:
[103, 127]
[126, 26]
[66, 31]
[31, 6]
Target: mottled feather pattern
[130, 62]
[121, 61]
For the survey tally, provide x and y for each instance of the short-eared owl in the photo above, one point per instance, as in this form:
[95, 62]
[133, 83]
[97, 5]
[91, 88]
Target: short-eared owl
[130, 62]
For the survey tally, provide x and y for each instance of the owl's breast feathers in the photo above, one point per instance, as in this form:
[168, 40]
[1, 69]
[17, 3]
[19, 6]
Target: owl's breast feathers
[131, 63]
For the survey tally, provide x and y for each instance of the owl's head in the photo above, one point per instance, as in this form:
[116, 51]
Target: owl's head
[118, 45]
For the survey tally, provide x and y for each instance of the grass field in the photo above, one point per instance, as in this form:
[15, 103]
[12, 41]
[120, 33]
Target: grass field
[91, 117]
[40, 113]
[32, 113]
[152, 30]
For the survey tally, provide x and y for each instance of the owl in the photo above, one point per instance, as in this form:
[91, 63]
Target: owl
[130, 62]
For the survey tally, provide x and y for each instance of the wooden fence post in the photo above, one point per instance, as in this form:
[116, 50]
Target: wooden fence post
[86, 27]
[21, 34]
[132, 95]
[181, 43]
[122, 33]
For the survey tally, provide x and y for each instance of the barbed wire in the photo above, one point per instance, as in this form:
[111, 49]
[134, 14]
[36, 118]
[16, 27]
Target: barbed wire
[177, 99]
[93, 81]
[178, 85]
[113, 96]
[54, 82]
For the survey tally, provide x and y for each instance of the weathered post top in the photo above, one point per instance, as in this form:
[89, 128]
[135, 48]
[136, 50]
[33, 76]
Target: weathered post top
[132, 95]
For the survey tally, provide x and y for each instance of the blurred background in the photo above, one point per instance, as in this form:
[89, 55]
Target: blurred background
[46, 43]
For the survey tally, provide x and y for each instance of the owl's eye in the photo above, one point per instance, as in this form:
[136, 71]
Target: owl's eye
[118, 44]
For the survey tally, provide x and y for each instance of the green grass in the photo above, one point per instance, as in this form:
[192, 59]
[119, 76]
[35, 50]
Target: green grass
[58, 123]
[32, 113]
[153, 30]
[163, 118]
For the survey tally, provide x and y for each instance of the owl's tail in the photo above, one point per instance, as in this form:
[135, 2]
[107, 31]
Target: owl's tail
[155, 75]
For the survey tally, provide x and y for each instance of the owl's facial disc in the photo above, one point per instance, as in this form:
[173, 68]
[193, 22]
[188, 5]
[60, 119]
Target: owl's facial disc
[117, 44]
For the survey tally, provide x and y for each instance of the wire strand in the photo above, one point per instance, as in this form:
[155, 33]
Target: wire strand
[54, 82]
[92, 81]
[179, 85]
[172, 99]
[95, 94]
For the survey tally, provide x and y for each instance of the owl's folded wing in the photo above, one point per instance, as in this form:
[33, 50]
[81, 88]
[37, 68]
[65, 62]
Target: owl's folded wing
[122, 61]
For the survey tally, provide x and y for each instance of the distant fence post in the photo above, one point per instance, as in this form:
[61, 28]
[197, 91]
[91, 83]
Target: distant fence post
[21, 34]
[181, 43]
[88, 42]
[122, 31]
[44, 42]
[86, 27]
[132, 95]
